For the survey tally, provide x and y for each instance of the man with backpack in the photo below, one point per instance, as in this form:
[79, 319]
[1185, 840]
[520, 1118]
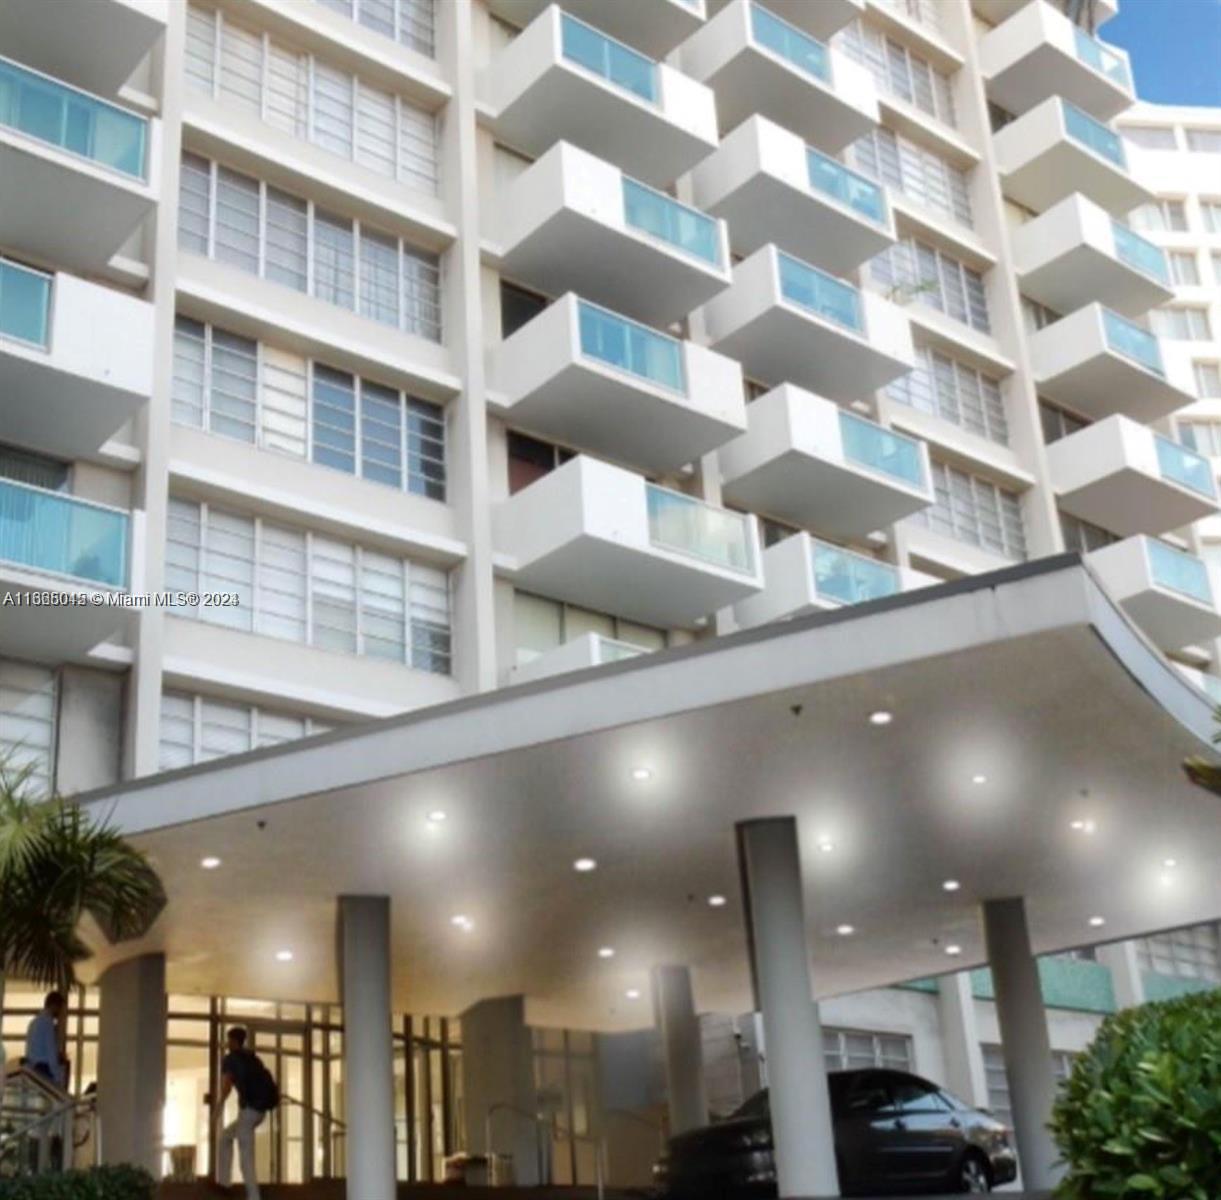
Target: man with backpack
[242, 1071]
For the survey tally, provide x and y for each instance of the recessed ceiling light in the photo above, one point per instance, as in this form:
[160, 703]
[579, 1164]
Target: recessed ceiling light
[953, 950]
[284, 956]
[584, 865]
[826, 845]
[979, 779]
[1098, 922]
[951, 885]
[1082, 826]
[606, 952]
[881, 717]
[717, 901]
[463, 922]
[632, 993]
[1170, 863]
[845, 930]
[437, 816]
[210, 863]
[640, 774]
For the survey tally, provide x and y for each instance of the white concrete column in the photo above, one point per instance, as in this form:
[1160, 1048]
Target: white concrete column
[368, 1061]
[682, 1049]
[131, 1061]
[964, 1057]
[1120, 959]
[770, 862]
[1024, 1038]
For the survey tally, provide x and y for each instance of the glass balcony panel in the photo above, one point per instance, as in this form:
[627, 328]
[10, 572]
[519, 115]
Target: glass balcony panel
[1132, 342]
[820, 293]
[630, 347]
[659, 216]
[1179, 572]
[880, 450]
[1134, 250]
[849, 578]
[1094, 54]
[689, 526]
[610, 651]
[834, 179]
[61, 116]
[25, 304]
[804, 52]
[612, 60]
[46, 531]
[1183, 466]
[1094, 135]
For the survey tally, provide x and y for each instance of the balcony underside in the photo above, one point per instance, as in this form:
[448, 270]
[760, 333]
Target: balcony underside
[1049, 70]
[1107, 384]
[1085, 274]
[63, 633]
[819, 18]
[1172, 621]
[654, 28]
[1064, 167]
[1128, 502]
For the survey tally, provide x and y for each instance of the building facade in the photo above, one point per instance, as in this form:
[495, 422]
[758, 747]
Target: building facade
[412, 349]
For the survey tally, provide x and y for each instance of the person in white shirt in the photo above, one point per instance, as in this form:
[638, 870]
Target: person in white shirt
[42, 1053]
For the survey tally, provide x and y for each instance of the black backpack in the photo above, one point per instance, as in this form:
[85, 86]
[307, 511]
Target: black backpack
[262, 1091]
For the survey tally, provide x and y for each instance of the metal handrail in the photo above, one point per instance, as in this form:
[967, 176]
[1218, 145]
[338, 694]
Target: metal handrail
[65, 1113]
[539, 1124]
[317, 1112]
[599, 1145]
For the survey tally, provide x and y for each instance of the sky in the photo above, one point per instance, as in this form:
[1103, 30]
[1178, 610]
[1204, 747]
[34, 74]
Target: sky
[1175, 47]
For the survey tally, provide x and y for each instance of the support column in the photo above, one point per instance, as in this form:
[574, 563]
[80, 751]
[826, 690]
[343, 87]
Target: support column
[368, 1058]
[1126, 979]
[964, 1058]
[131, 1061]
[770, 862]
[682, 1049]
[1024, 1039]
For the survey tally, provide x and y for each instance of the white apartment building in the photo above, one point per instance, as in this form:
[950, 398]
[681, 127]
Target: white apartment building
[389, 354]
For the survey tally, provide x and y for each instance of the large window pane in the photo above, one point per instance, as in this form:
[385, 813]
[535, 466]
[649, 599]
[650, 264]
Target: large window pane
[334, 260]
[287, 240]
[334, 420]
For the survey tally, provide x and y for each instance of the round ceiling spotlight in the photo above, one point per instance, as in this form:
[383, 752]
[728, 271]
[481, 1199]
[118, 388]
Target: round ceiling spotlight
[881, 717]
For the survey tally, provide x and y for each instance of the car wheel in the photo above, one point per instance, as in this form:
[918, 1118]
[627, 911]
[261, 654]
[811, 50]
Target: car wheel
[973, 1176]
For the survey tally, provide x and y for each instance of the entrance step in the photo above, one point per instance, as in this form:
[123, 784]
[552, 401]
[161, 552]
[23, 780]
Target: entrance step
[335, 1189]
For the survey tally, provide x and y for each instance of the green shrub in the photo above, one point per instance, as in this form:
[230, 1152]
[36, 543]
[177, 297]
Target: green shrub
[101, 1183]
[1140, 1116]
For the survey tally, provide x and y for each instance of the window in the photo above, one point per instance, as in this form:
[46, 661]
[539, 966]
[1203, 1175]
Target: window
[1184, 270]
[195, 729]
[264, 231]
[1204, 437]
[1186, 323]
[848, 1049]
[1151, 137]
[1208, 380]
[281, 401]
[27, 723]
[37, 470]
[922, 176]
[518, 307]
[1210, 214]
[974, 510]
[1164, 216]
[409, 22]
[303, 587]
[530, 459]
[897, 71]
[917, 271]
[1083, 537]
[1186, 953]
[1215, 257]
[541, 624]
[954, 391]
[998, 1079]
[1057, 423]
[1037, 316]
[1204, 141]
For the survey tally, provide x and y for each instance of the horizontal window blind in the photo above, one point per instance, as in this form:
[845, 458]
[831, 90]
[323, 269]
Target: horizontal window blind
[27, 724]
[950, 389]
[918, 272]
[923, 177]
[972, 509]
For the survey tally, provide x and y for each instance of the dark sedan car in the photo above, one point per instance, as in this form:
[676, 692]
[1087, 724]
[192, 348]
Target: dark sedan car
[895, 1134]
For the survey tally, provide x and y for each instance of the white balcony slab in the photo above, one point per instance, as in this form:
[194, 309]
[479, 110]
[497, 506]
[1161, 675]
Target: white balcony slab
[1127, 478]
[1038, 52]
[59, 633]
[799, 462]
[778, 340]
[996, 11]
[1070, 256]
[586, 534]
[830, 106]
[577, 654]
[1076, 364]
[540, 95]
[654, 27]
[771, 187]
[821, 19]
[572, 222]
[566, 381]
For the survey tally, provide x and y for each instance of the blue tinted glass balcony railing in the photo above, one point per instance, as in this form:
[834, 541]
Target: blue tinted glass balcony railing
[805, 53]
[61, 116]
[848, 578]
[610, 650]
[630, 347]
[1178, 571]
[1102, 58]
[685, 525]
[25, 304]
[880, 450]
[47, 531]
[1186, 467]
[834, 179]
[659, 216]
[821, 293]
[1093, 135]
[1132, 342]
[1134, 250]
[612, 60]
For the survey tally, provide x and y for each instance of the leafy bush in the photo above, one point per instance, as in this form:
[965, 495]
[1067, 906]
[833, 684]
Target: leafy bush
[101, 1183]
[1140, 1116]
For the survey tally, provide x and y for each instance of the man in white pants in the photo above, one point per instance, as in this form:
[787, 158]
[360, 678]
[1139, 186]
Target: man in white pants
[241, 1071]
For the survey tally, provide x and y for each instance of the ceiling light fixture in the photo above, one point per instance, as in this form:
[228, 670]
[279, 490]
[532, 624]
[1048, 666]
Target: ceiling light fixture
[585, 865]
[951, 885]
[845, 930]
[717, 901]
[826, 845]
[210, 863]
[1170, 863]
[284, 956]
[438, 816]
[632, 993]
[953, 950]
[881, 717]
[1082, 826]
[979, 779]
[462, 922]
[1098, 922]
[641, 774]
[606, 952]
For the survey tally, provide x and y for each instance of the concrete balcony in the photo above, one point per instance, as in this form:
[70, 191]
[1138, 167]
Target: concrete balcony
[74, 170]
[1097, 363]
[602, 537]
[94, 44]
[1076, 253]
[588, 650]
[805, 575]
[771, 187]
[808, 461]
[1128, 479]
[756, 62]
[1038, 52]
[996, 11]
[654, 28]
[76, 360]
[563, 80]
[1056, 149]
[822, 19]
[1168, 592]
[575, 223]
[786, 321]
[587, 377]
